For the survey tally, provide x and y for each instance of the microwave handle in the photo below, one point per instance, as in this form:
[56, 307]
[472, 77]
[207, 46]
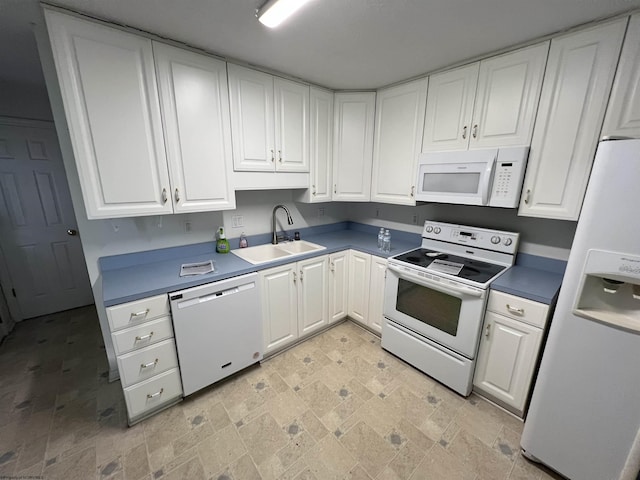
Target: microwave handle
[488, 183]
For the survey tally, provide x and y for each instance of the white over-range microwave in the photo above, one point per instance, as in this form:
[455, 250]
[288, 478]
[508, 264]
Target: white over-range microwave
[488, 177]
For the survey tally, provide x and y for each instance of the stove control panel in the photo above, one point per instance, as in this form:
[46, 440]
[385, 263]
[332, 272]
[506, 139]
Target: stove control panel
[496, 240]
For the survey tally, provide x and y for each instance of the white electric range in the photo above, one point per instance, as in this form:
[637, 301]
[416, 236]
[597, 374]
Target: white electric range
[435, 298]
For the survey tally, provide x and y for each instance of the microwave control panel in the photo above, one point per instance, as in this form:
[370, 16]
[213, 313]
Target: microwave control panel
[507, 178]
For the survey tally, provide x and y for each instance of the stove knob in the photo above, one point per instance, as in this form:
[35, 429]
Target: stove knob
[508, 241]
[428, 229]
[437, 230]
[495, 239]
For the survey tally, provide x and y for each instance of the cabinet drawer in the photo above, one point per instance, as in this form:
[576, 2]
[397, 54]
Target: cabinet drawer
[134, 313]
[147, 362]
[153, 393]
[142, 335]
[518, 308]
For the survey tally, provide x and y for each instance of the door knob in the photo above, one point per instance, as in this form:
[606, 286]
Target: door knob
[72, 231]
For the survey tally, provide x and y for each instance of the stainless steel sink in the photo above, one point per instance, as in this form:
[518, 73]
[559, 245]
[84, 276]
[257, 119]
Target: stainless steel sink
[268, 253]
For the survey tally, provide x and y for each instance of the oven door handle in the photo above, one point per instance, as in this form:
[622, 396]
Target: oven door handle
[457, 291]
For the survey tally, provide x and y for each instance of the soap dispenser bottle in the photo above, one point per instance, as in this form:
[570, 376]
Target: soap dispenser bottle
[222, 245]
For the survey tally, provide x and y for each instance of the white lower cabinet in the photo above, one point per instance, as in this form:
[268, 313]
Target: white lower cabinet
[509, 348]
[366, 289]
[294, 301]
[338, 282]
[142, 335]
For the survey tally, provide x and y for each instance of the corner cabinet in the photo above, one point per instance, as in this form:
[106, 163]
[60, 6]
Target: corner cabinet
[353, 146]
[338, 285]
[509, 349]
[270, 122]
[487, 104]
[574, 98]
[115, 115]
[320, 147]
[294, 301]
[397, 142]
[623, 114]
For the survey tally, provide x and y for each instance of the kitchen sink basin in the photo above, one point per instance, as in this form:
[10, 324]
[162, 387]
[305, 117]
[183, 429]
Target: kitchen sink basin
[267, 253]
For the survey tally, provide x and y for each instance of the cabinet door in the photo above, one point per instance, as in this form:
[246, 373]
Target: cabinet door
[292, 125]
[320, 147]
[108, 86]
[447, 124]
[574, 98]
[313, 294]
[279, 306]
[338, 282]
[251, 100]
[353, 146]
[623, 113]
[376, 293]
[506, 359]
[359, 273]
[398, 139]
[195, 109]
[507, 98]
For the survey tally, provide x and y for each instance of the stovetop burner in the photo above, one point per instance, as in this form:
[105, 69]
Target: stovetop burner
[473, 270]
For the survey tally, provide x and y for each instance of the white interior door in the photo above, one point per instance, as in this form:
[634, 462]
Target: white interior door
[46, 271]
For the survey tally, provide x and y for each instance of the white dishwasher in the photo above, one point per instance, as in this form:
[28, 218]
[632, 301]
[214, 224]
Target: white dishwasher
[218, 329]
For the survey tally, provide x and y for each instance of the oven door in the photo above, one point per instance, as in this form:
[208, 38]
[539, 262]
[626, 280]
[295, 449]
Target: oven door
[456, 177]
[448, 313]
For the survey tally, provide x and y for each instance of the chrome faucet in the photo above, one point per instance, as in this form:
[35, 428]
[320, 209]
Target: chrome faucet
[275, 237]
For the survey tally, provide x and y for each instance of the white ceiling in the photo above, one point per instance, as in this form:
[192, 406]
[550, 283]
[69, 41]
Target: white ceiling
[341, 44]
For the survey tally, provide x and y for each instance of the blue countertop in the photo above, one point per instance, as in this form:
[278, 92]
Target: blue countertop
[134, 276]
[138, 275]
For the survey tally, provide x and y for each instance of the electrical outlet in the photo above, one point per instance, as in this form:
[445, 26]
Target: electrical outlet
[321, 212]
[237, 221]
[187, 227]
[414, 219]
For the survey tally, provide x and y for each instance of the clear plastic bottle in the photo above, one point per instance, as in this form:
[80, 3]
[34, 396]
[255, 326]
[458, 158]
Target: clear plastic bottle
[380, 238]
[244, 243]
[386, 242]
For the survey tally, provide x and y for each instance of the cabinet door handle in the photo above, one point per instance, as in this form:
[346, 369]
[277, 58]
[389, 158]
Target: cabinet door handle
[144, 337]
[150, 364]
[272, 156]
[515, 311]
[313, 192]
[332, 267]
[526, 199]
[157, 394]
[464, 132]
[138, 315]
[413, 188]
[280, 156]
[335, 188]
[177, 195]
[295, 277]
[164, 195]
[487, 330]
[475, 131]
[301, 275]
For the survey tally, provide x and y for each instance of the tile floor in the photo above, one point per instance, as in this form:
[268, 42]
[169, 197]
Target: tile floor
[336, 406]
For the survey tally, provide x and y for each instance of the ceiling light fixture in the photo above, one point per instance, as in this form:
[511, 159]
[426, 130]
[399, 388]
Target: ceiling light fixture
[274, 12]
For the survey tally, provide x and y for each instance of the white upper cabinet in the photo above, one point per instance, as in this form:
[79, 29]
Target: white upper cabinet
[398, 138]
[449, 109]
[320, 147]
[487, 104]
[108, 86]
[195, 110]
[623, 113]
[353, 146]
[269, 121]
[576, 88]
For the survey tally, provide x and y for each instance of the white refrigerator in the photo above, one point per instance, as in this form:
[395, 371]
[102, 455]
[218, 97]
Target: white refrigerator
[584, 416]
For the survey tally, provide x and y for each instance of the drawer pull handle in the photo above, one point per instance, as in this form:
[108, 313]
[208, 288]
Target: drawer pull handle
[516, 311]
[144, 337]
[139, 315]
[150, 364]
[157, 394]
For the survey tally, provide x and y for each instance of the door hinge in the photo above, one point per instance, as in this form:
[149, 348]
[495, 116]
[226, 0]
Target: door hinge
[13, 291]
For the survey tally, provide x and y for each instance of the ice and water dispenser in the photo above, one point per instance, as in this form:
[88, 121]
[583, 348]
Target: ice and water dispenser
[610, 290]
